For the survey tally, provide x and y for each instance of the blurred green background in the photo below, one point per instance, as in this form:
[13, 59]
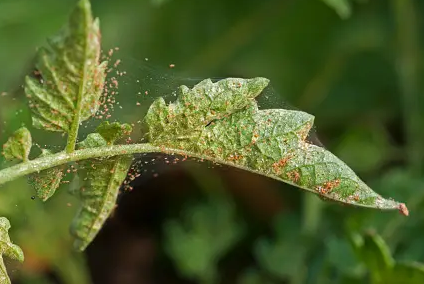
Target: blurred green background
[359, 72]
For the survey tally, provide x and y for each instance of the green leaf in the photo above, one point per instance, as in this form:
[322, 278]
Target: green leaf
[102, 179]
[372, 250]
[221, 122]
[46, 182]
[100, 183]
[405, 272]
[375, 254]
[93, 140]
[205, 233]
[8, 249]
[272, 254]
[18, 145]
[71, 76]
[113, 131]
[342, 7]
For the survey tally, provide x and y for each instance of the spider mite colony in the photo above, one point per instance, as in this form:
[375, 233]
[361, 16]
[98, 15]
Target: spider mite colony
[216, 121]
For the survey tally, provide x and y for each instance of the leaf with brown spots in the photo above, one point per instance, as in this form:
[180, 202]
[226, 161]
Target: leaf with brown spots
[222, 122]
[100, 183]
[70, 75]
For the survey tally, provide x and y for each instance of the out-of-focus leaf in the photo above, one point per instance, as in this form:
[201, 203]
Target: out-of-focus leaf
[405, 272]
[221, 121]
[340, 254]
[72, 78]
[46, 182]
[206, 232]
[373, 145]
[342, 7]
[374, 253]
[284, 255]
[18, 145]
[8, 249]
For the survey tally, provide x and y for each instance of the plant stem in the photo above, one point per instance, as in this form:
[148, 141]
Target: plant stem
[50, 161]
[61, 158]
[408, 58]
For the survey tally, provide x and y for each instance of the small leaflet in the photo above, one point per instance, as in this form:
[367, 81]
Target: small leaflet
[113, 131]
[18, 146]
[221, 121]
[8, 249]
[46, 182]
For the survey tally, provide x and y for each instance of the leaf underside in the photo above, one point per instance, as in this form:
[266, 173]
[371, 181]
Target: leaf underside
[221, 122]
[101, 180]
[98, 196]
[8, 249]
[69, 79]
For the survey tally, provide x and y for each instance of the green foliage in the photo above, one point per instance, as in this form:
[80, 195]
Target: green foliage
[68, 85]
[342, 7]
[113, 131]
[287, 241]
[101, 180]
[214, 229]
[71, 78]
[8, 249]
[18, 146]
[372, 250]
[46, 182]
[221, 121]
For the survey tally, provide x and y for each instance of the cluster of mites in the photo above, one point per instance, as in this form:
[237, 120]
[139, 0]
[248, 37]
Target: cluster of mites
[294, 176]
[110, 89]
[137, 169]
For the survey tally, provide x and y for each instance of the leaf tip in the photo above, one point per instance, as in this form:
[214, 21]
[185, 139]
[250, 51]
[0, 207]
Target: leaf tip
[257, 85]
[403, 209]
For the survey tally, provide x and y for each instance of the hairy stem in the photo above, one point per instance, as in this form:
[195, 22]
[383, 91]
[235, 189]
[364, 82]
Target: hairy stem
[61, 158]
[50, 161]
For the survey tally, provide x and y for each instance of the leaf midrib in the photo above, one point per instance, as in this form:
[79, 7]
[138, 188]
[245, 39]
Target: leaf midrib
[73, 132]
